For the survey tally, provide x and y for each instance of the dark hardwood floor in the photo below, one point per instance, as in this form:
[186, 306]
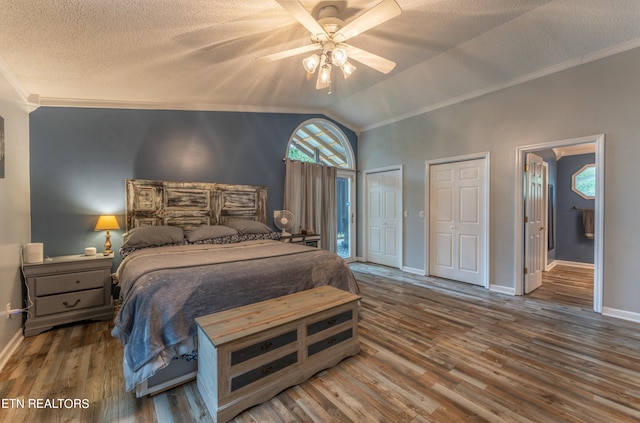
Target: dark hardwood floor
[567, 285]
[432, 351]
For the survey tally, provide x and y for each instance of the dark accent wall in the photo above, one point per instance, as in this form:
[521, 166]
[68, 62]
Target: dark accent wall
[80, 157]
[571, 244]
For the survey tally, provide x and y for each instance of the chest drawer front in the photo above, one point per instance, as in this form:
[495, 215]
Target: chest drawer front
[329, 342]
[329, 322]
[62, 303]
[68, 282]
[263, 347]
[263, 371]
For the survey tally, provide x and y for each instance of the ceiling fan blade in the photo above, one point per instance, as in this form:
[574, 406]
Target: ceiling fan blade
[382, 12]
[297, 10]
[376, 62]
[288, 53]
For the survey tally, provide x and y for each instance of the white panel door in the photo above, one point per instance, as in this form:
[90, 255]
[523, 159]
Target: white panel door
[384, 223]
[534, 248]
[458, 221]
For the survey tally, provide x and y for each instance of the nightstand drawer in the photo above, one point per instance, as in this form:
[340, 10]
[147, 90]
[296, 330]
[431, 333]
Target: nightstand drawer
[62, 303]
[69, 282]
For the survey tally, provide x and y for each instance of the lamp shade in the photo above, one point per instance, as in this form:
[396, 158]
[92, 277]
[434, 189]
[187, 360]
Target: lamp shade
[107, 223]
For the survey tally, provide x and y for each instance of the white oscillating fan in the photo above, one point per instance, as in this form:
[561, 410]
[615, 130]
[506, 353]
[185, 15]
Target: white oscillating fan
[284, 220]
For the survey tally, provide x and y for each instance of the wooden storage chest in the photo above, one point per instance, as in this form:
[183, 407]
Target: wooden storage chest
[249, 354]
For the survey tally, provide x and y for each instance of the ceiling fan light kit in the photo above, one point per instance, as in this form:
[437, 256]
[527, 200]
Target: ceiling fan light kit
[329, 33]
[331, 56]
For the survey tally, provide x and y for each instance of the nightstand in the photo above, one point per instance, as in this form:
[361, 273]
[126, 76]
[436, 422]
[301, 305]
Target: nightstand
[68, 289]
[308, 240]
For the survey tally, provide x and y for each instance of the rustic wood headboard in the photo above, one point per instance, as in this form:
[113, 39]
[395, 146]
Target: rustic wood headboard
[191, 204]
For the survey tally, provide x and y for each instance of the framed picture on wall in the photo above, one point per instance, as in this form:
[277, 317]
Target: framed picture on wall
[1, 147]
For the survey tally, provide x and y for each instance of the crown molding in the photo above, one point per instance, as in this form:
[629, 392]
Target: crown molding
[574, 150]
[14, 83]
[151, 105]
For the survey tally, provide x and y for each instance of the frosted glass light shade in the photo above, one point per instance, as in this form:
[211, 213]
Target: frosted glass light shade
[338, 56]
[311, 63]
[347, 69]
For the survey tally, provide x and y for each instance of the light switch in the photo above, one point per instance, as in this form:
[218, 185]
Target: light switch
[421, 213]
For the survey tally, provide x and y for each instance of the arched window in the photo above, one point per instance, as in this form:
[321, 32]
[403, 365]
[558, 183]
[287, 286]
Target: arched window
[321, 141]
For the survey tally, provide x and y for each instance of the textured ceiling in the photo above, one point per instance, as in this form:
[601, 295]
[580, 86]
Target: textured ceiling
[200, 54]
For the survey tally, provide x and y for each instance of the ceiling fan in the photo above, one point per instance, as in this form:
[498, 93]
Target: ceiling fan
[329, 33]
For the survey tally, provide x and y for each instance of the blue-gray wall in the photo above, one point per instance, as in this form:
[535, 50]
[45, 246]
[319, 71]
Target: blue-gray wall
[571, 243]
[79, 159]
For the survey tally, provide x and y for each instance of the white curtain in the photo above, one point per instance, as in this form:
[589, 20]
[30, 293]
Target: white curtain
[310, 194]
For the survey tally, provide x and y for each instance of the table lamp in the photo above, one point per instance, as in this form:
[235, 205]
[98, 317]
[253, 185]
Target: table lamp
[106, 223]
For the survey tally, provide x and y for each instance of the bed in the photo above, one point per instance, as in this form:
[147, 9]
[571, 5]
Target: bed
[192, 249]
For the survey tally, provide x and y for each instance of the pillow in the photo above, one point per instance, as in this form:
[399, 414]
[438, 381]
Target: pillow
[249, 226]
[209, 232]
[152, 236]
[269, 235]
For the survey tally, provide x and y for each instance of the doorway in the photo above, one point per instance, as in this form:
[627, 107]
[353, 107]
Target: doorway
[522, 235]
[345, 210]
[457, 221]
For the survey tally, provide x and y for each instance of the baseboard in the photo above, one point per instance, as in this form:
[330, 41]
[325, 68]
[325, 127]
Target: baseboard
[10, 348]
[550, 266]
[502, 289]
[621, 314]
[413, 270]
[573, 264]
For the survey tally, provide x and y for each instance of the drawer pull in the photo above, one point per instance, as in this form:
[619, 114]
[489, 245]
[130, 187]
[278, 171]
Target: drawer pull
[66, 304]
[331, 321]
[331, 341]
[267, 370]
[78, 281]
[266, 346]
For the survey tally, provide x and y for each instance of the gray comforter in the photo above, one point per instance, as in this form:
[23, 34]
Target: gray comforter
[163, 289]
